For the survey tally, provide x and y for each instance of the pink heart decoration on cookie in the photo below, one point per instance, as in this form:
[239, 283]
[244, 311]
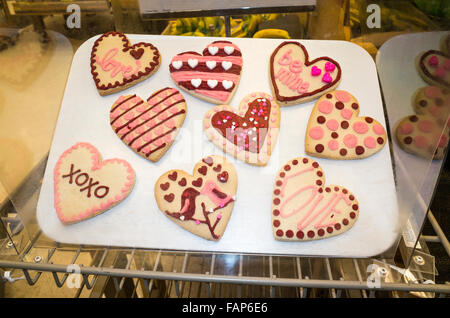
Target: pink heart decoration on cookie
[336, 132]
[304, 208]
[149, 127]
[85, 186]
[434, 67]
[295, 79]
[249, 133]
[213, 76]
[117, 65]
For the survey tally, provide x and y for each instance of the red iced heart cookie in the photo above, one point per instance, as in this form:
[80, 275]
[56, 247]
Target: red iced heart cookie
[117, 65]
[304, 208]
[85, 186]
[434, 68]
[249, 133]
[149, 127]
[295, 79]
[200, 203]
[336, 132]
[213, 76]
[426, 134]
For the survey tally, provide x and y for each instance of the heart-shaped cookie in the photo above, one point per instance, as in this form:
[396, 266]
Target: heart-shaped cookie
[434, 68]
[202, 202]
[117, 65]
[295, 79]
[426, 133]
[304, 208]
[249, 133]
[149, 127]
[336, 132]
[85, 186]
[213, 76]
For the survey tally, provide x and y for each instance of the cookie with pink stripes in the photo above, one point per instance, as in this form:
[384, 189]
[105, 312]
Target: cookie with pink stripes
[305, 208]
[426, 133]
[150, 126]
[213, 75]
[85, 186]
[335, 130]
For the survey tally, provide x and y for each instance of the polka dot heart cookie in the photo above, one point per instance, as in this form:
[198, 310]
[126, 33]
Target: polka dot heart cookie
[426, 133]
[304, 208]
[336, 132]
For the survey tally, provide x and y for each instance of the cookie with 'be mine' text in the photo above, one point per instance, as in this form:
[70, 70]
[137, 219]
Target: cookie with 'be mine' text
[200, 203]
[335, 131]
[85, 186]
[296, 79]
[117, 65]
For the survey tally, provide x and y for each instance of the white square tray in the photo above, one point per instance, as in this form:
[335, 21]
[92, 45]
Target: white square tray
[137, 222]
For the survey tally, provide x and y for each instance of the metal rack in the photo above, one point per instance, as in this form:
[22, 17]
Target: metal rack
[116, 272]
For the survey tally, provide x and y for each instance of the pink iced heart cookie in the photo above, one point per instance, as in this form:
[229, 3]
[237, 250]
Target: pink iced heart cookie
[295, 79]
[117, 65]
[85, 186]
[336, 132]
[200, 203]
[426, 133]
[248, 133]
[304, 208]
[149, 127]
[212, 76]
[434, 68]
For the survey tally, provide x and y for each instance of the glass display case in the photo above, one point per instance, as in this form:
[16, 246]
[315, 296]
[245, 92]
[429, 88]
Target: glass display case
[388, 61]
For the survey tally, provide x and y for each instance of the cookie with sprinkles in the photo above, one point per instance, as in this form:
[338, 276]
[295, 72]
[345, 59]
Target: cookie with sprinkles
[250, 132]
[305, 208]
[335, 130]
[426, 133]
[149, 127]
[200, 203]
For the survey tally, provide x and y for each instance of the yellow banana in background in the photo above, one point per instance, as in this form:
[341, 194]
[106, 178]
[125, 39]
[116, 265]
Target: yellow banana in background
[272, 33]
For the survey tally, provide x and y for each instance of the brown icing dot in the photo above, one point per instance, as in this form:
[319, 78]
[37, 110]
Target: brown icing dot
[287, 167]
[276, 212]
[164, 186]
[279, 183]
[311, 234]
[276, 201]
[203, 170]
[280, 233]
[423, 103]
[344, 191]
[355, 106]
[339, 105]
[352, 215]
[368, 120]
[359, 150]
[337, 226]
[289, 233]
[321, 232]
[327, 189]
[380, 140]
[282, 174]
[407, 140]
[329, 96]
[336, 189]
[295, 162]
[319, 183]
[169, 197]
[305, 160]
[344, 124]
[300, 234]
[182, 182]
[329, 229]
[276, 223]
[355, 207]
[320, 190]
[343, 152]
[277, 192]
[351, 197]
[319, 173]
[334, 135]
[315, 165]
[173, 176]
[198, 182]
[345, 221]
[321, 119]
[413, 118]
[319, 148]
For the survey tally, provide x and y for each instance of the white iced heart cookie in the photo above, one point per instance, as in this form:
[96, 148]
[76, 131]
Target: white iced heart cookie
[248, 133]
[295, 79]
[212, 76]
[85, 186]
[117, 65]
[304, 208]
[200, 203]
